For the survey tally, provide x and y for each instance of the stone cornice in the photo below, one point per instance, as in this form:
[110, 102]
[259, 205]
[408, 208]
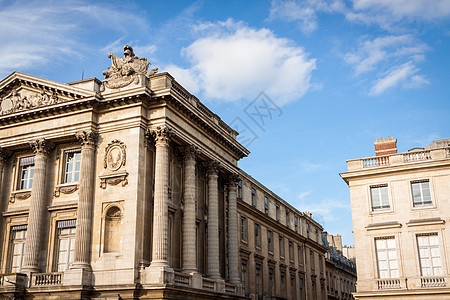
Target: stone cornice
[385, 225]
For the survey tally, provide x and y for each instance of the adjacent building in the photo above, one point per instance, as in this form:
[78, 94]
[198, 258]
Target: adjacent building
[128, 188]
[401, 214]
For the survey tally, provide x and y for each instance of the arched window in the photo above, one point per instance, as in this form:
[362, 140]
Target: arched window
[112, 229]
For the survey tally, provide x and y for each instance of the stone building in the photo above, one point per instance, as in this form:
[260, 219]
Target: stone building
[401, 213]
[129, 188]
[340, 270]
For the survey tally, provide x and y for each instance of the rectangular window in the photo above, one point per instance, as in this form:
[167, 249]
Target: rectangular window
[293, 290]
[266, 205]
[281, 244]
[300, 255]
[296, 223]
[307, 230]
[287, 218]
[244, 276]
[380, 197]
[239, 191]
[243, 229]
[65, 243]
[387, 258]
[271, 281]
[421, 193]
[429, 255]
[270, 240]
[278, 212]
[291, 251]
[257, 235]
[72, 164]
[302, 289]
[17, 246]
[321, 263]
[26, 172]
[311, 259]
[258, 281]
[283, 283]
[253, 197]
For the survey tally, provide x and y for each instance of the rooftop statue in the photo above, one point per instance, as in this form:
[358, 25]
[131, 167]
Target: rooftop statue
[125, 70]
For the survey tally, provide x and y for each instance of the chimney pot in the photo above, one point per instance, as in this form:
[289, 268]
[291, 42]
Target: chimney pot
[385, 146]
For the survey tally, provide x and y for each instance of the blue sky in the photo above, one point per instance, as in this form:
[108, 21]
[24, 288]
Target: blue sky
[341, 73]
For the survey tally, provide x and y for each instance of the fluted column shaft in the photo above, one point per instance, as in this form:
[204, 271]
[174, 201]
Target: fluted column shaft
[189, 225]
[41, 149]
[233, 246]
[3, 158]
[161, 199]
[213, 222]
[83, 231]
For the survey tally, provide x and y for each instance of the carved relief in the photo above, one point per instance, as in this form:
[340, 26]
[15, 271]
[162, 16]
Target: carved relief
[113, 179]
[16, 102]
[69, 189]
[214, 167]
[19, 196]
[41, 146]
[115, 155]
[126, 70]
[162, 134]
[87, 137]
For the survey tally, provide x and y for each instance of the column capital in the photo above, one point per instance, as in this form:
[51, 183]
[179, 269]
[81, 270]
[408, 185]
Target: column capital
[191, 152]
[4, 156]
[160, 134]
[87, 137]
[41, 146]
[233, 179]
[213, 167]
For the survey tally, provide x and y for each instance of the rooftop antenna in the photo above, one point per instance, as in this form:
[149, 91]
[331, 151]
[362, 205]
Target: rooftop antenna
[82, 75]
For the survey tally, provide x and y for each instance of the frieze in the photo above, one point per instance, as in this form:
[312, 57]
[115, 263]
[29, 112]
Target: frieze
[126, 70]
[15, 101]
[115, 155]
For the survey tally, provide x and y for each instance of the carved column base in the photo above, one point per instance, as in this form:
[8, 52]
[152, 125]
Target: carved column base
[80, 265]
[157, 275]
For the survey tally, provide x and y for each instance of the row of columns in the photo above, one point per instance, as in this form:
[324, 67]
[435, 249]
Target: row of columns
[162, 136]
[41, 149]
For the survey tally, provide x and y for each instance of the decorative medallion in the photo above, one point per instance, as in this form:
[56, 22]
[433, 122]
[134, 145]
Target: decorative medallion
[115, 155]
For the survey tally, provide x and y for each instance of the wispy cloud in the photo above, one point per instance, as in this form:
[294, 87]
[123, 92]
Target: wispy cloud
[39, 33]
[231, 61]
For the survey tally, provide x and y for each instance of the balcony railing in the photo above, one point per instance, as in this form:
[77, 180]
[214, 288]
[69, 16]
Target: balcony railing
[46, 279]
[433, 282]
[230, 288]
[388, 284]
[208, 283]
[416, 156]
[181, 278]
[398, 159]
[375, 161]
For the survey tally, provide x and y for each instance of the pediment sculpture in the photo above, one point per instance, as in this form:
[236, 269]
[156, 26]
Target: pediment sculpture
[14, 101]
[126, 70]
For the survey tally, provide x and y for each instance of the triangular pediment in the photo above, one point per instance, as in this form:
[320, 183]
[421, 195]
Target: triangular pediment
[19, 92]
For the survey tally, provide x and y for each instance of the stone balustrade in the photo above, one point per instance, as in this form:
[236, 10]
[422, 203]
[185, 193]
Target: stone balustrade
[388, 284]
[181, 278]
[427, 282]
[398, 159]
[208, 283]
[46, 279]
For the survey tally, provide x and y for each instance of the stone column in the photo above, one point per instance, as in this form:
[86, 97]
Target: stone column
[189, 224]
[213, 269]
[4, 156]
[233, 243]
[83, 231]
[37, 210]
[162, 137]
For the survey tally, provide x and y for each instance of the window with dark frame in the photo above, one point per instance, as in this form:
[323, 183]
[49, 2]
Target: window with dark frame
[253, 197]
[72, 165]
[296, 223]
[270, 240]
[26, 172]
[281, 246]
[257, 236]
[287, 219]
[379, 195]
[421, 193]
[244, 229]
[239, 190]
[266, 205]
[278, 212]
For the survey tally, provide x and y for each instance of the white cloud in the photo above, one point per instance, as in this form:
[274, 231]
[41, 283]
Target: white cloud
[404, 73]
[232, 61]
[39, 33]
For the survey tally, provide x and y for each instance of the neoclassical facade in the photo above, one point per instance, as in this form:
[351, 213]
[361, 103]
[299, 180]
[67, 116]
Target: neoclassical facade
[128, 188]
[401, 214]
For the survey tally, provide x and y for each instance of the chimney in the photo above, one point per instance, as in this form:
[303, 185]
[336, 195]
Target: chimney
[385, 146]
